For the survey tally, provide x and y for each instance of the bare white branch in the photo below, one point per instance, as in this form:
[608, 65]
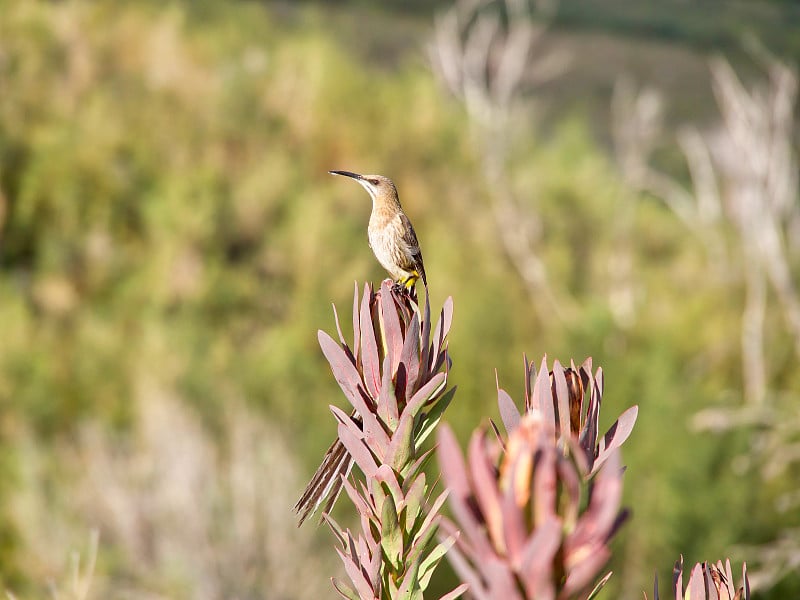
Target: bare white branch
[743, 174]
[485, 60]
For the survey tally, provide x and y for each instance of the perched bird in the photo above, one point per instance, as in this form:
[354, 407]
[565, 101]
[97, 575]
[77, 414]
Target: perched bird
[394, 242]
[391, 235]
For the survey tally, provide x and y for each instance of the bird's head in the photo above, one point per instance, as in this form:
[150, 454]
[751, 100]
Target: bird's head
[380, 188]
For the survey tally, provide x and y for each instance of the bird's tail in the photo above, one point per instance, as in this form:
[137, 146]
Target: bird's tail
[326, 482]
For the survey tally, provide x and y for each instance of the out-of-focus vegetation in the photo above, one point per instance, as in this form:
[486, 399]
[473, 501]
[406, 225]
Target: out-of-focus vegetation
[168, 230]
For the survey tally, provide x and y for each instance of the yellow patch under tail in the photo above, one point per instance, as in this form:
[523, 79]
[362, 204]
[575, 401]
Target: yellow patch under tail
[410, 281]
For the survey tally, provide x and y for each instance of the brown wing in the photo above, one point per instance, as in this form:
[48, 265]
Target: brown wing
[410, 238]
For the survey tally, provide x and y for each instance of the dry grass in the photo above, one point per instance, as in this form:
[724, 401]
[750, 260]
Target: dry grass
[178, 514]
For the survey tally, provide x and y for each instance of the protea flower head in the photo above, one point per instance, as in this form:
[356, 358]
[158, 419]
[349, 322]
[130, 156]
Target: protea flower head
[568, 400]
[395, 378]
[707, 581]
[391, 361]
[525, 531]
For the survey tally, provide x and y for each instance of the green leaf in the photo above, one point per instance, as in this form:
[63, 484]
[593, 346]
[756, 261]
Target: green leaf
[430, 562]
[410, 590]
[427, 532]
[428, 421]
[414, 499]
[389, 485]
[391, 535]
[344, 590]
[401, 449]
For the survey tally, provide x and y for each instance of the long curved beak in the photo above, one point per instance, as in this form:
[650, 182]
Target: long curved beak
[347, 174]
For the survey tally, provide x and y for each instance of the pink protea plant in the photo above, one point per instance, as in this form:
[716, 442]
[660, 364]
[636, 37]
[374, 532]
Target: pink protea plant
[530, 526]
[568, 400]
[707, 581]
[395, 378]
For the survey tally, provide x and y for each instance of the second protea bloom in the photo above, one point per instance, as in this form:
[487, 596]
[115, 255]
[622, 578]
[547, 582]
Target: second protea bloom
[524, 532]
[568, 400]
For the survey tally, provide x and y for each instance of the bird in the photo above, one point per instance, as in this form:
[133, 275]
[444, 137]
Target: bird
[394, 243]
[390, 233]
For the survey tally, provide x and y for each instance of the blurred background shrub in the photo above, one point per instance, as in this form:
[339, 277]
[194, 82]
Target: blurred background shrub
[170, 243]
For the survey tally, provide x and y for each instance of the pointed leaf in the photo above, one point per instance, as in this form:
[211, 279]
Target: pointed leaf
[430, 562]
[370, 359]
[392, 332]
[455, 593]
[425, 538]
[728, 575]
[338, 326]
[414, 499]
[509, 412]
[362, 505]
[353, 570]
[388, 479]
[429, 527]
[401, 448]
[695, 590]
[484, 487]
[584, 571]
[391, 534]
[344, 371]
[497, 435]
[587, 381]
[677, 578]
[454, 474]
[356, 448]
[537, 559]
[616, 436]
[601, 514]
[371, 430]
[711, 588]
[433, 416]
[409, 589]
[745, 582]
[543, 398]
[467, 574]
[529, 372]
[354, 443]
[433, 387]
[591, 428]
[387, 401]
[514, 529]
[562, 399]
[344, 590]
[335, 529]
[418, 464]
[425, 345]
[409, 356]
[570, 493]
[356, 328]
[451, 462]
[544, 486]
[443, 325]
[501, 579]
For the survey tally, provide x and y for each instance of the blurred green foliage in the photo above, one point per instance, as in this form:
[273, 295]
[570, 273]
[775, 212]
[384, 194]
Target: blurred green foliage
[166, 214]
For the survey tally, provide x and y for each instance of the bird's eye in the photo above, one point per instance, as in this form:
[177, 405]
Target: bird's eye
[374, 181]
